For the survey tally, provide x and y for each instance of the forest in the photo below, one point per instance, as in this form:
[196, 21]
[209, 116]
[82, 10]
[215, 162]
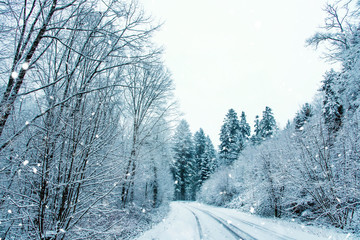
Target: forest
[92, 144]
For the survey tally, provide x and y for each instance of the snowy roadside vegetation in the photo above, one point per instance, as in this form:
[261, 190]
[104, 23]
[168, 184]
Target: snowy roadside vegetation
[309, 171]
[85, 120]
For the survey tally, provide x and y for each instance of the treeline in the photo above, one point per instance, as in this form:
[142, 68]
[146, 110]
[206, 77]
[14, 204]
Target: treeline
[85, 117]
[310, 170]
[195, 158]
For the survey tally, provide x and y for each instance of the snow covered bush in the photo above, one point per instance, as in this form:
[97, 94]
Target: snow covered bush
[305, 172]
[220, 188]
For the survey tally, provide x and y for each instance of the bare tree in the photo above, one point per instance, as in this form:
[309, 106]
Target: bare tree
[147, 101]
[59, 110]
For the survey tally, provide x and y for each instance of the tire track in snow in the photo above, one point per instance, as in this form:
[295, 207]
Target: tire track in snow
[198, 224]
[254, 225]
[278, 235]
[234, 230]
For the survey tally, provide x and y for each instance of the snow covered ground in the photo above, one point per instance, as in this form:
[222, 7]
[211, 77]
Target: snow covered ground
[193, 221]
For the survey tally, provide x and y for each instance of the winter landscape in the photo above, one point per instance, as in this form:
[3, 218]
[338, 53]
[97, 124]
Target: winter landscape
[96, 144]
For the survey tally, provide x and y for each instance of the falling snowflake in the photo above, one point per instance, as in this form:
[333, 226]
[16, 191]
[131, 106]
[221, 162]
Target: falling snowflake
[26, 162]
[62, 230]
[229, 221]
[97, 136]
[14, 75]
[9, 211]
[25, 66]
[27, 123]
[143, 210]
[230, 175]
[34, 170]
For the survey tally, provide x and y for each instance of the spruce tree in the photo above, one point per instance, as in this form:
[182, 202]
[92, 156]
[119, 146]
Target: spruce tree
[256, 137]
[205, 157]
[229, 148]
[333, 110]
[183, 163]
[212, 159]
[200, 157]
[244, 131]
[267, 124]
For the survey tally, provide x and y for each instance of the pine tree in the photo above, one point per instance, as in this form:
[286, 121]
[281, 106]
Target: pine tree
[229, 137]
[205, 157]
[183, 163]
[256, 137]
[200, 157]
[212, 159]
[267, 124]
[244, 131]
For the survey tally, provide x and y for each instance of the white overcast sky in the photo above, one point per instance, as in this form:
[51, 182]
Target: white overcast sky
[241, 54]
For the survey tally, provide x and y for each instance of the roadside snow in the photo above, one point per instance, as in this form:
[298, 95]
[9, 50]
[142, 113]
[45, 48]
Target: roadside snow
[180, 224]
[192, 221]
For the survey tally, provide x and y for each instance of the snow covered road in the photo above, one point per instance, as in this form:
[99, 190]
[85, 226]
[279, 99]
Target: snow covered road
[195, 221]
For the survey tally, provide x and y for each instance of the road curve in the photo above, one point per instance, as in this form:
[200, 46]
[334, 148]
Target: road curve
[234, 230]
[195, 221]
[232, 224]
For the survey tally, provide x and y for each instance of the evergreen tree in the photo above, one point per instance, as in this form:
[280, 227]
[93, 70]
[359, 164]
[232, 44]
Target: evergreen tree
[211, 156]
[333, 110]
[267, 124]
[205, 157]
[303, 116]
[244, 131]
[229, 137]
[256, 137]
[200, 157]
[183, 164]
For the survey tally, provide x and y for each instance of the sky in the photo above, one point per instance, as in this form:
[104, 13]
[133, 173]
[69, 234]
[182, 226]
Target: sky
[239, 54]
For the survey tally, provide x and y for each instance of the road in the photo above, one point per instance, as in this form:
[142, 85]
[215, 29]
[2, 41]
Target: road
[195, 221]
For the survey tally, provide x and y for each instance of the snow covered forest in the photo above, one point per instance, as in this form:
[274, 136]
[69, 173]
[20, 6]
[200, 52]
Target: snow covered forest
[92, 145]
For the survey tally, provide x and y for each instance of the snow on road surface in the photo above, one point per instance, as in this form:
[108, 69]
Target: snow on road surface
[195, 221]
